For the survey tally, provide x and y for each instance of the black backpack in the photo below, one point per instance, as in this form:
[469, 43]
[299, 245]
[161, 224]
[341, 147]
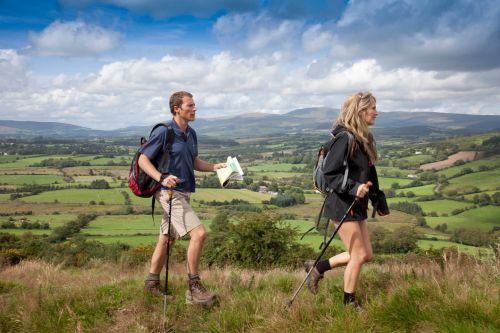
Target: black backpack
[320, 183]
[141, 184]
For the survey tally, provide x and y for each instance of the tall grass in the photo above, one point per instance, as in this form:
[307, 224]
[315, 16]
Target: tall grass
[450, 293]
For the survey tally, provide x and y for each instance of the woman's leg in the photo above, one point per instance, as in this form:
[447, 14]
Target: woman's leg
[355, 237]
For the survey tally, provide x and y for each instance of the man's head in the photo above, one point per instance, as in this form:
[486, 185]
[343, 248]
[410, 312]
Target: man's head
[182, 106]
[176, 100]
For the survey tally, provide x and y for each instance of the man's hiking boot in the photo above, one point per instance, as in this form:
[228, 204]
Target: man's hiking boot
[198, 294]
[153, 287]
[313, 278]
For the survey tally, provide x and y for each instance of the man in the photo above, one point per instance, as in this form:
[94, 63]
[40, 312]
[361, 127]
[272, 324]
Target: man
[180, 177]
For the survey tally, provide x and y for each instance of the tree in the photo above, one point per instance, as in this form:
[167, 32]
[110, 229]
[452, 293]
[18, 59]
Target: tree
[100, 184]
[257, 241]
[220, 223]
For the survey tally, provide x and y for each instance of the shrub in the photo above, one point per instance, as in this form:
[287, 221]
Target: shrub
[256, 241]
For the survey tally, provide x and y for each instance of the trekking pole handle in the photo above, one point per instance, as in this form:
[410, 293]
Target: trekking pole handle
[369, 184]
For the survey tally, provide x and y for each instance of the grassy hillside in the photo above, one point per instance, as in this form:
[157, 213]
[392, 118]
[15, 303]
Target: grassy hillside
[411, 295]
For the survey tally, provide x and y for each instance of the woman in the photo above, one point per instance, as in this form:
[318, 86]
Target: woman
[358, 112]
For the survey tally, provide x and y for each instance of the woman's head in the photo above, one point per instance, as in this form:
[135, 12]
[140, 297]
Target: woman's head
[358, 112]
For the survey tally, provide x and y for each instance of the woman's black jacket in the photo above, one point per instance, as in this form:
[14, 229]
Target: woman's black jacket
[360, 172]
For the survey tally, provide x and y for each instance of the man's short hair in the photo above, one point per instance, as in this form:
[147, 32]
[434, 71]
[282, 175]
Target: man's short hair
[176, 99]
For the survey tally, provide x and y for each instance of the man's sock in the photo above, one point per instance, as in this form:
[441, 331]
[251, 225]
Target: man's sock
[153, 277]
[349, 298]
[323, 266]
[193, 276]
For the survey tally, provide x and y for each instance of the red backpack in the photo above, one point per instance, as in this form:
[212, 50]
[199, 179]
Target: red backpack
[141, 184]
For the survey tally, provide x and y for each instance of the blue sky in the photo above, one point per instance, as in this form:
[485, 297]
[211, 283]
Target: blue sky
[108, 64]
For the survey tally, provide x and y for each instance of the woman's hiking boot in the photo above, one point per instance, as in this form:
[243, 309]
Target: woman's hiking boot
[197, 294]
[314, 277]
[153, 287]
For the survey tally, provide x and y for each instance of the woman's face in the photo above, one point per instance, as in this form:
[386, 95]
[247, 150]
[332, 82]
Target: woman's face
[370, 114]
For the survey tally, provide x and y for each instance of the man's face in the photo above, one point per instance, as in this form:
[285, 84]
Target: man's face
[187, 111]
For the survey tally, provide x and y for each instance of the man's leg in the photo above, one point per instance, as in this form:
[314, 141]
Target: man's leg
[158, 258]
[195, 248]
[196, 293]
[152, 282]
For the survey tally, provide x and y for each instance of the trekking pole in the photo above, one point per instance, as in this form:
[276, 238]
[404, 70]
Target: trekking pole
[171, 195]
[290, 302]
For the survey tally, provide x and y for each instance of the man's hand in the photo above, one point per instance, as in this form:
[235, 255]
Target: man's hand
[170, 181]
[219, 166]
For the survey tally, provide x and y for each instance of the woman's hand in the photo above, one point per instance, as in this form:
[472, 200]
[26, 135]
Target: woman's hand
[363, 190]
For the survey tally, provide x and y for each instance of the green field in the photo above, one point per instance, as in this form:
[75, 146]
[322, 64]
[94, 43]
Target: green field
[474, 165]
[419, 190]
[442, 206]
[278, 167]
[104, 161]
[52, 220]
[472, 195]
[280, 175]
[209, 194]
[418, 159]
[485, 180]
[484, 218]
[394, 171]
[114, 225]
[426, 244]
[31, 179]
[83, 196]
[28, 161]
[386, 182]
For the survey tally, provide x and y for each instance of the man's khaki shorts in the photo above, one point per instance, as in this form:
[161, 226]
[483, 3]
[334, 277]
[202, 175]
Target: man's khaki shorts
[184, 218]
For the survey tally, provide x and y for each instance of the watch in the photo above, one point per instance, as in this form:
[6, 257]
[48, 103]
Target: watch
[162, 177]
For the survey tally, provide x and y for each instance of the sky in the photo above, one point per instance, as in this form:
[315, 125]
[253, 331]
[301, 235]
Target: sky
[108, 64]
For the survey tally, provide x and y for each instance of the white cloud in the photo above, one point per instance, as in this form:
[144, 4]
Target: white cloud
[13, 70]
[74, 39]
[257, 34]
[315, 39]
[136, 91]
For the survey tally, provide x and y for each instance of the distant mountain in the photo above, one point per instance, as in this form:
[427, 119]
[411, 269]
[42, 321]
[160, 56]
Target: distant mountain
[259, 124]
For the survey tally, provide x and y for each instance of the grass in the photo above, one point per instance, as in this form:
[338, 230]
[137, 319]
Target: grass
[474, 165]
[426, 244]
[110, 196]
[280, 174]
[31, 179]
[386, 182]
[484, 218]
[278, 167]
[419, 190]
[485, 180]
[442, 206]
[452, 295]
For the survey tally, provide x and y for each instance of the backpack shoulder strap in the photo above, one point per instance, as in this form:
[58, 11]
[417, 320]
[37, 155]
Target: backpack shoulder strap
[350, 140]
[169, 140]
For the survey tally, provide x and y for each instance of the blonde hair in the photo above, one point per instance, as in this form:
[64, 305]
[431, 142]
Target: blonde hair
[351, 117]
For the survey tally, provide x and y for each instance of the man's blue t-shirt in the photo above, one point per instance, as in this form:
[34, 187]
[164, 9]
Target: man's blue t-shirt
[184, 152]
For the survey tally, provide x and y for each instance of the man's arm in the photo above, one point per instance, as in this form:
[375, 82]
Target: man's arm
[200, 165]
[148, 167]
